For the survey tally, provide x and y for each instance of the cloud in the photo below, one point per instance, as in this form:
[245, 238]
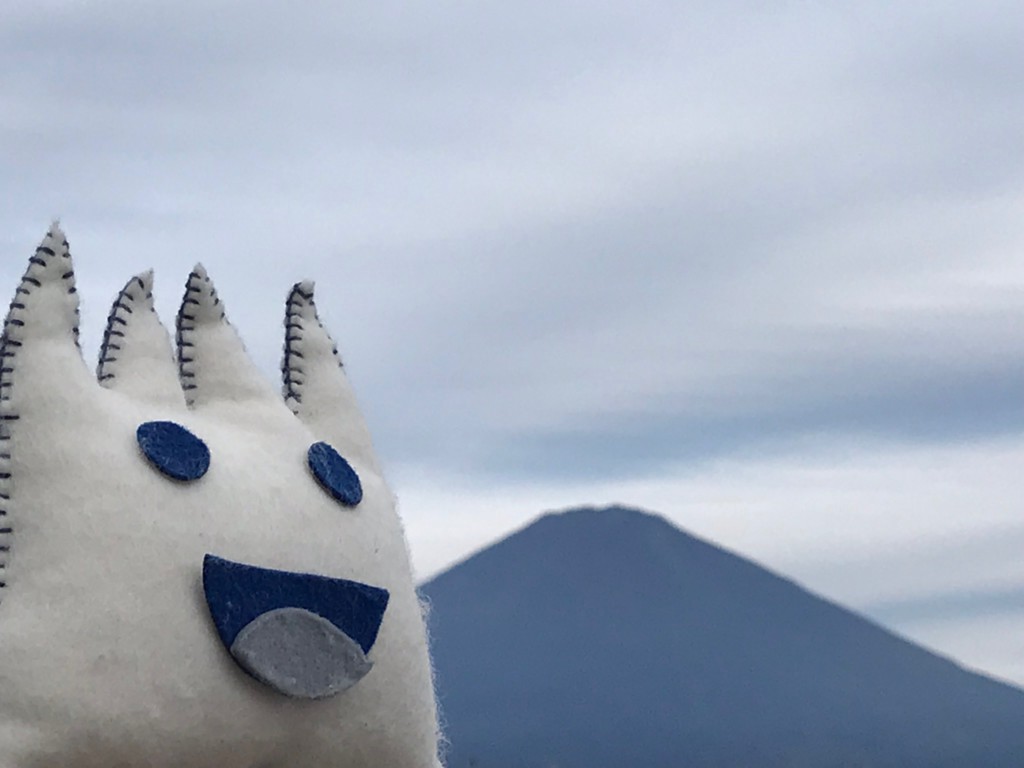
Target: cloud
[989, 644]
[577, 252]
[964, 605]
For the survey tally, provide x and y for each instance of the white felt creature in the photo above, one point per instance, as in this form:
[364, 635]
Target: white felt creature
[195, 572]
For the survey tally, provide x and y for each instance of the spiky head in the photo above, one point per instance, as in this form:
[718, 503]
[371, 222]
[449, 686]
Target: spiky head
[196, 570]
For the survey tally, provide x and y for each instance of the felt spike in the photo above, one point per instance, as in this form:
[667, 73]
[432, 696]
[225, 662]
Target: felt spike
[315, 385]
[40, 333]
[136, 356]
[213, 365]
[42, 319]
[45, 305]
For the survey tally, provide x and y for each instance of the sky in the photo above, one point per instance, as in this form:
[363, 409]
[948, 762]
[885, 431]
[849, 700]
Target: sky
[757, 268]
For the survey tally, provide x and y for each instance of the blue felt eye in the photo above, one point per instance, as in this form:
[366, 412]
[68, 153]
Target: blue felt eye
[173, 450]
[335, 474]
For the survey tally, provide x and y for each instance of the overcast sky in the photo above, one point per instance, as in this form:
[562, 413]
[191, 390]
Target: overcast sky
[758, 269]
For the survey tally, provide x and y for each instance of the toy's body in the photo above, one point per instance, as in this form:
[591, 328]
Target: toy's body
[109, 646]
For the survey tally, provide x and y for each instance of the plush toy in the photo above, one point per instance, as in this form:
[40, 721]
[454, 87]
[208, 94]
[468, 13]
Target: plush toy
[194, 571]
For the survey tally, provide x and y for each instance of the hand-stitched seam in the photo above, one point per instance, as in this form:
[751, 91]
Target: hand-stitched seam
[294, 327]
[292, 386]
[105, 370]
[186, 324]
[8, 353]
[69, 279]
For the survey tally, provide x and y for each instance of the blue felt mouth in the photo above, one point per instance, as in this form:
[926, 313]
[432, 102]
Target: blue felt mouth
[238, 594]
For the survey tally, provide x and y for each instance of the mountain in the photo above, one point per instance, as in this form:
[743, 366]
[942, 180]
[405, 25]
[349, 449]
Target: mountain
[609, 638]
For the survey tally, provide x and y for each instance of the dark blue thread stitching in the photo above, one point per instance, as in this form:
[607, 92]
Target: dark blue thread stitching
[185, 324]
[294, 326]
[297, 300]
[8, 351]
[181, 328]
[125, 298]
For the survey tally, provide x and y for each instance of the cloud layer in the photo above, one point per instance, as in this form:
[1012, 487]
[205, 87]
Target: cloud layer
[579, 246]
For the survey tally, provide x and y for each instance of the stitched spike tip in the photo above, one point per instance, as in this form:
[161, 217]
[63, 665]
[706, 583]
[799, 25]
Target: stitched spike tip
[135, 356]
[300, 314]
[136, 296]
[45, 304]
[212, 362]
[201, 303]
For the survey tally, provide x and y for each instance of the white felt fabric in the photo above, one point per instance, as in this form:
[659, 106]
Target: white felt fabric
[108, 655]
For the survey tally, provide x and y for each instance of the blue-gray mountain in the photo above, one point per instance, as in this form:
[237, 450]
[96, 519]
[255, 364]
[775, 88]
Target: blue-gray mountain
[611, 639]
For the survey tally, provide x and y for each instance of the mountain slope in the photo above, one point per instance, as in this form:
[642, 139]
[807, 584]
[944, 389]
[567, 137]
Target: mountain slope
[610, 638]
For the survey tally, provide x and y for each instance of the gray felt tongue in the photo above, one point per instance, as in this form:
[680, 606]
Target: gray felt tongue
[300, 654]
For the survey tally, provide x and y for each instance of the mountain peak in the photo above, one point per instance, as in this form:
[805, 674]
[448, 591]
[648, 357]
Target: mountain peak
[606, 636]
[612, 516]
[610, 511]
